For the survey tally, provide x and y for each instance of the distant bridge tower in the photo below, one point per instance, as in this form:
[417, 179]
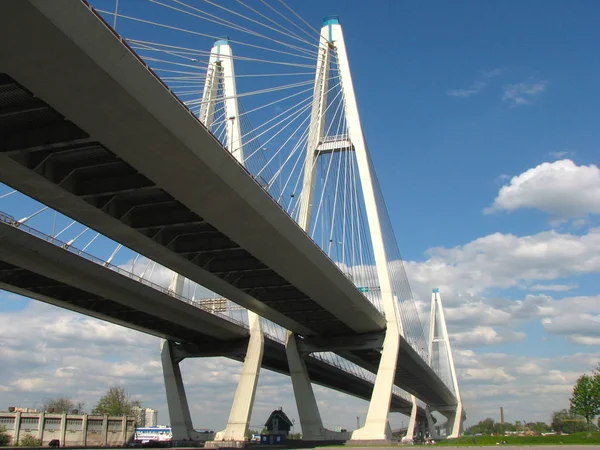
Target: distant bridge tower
[376, 425]
[438, 335]
[220, 77]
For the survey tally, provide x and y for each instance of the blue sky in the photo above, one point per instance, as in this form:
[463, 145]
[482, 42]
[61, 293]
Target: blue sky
[466, 106]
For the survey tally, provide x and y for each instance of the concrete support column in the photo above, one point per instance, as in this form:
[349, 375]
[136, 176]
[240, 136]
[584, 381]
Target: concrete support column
[430, 424]
[41, 425]
[377, 416]
[63, 429]
[243, 401]
[84, 430]
[17, 429]
[308, 410]
[104, 430]
[124, 430]
[410, 431]
[455, 422]
[179, 411]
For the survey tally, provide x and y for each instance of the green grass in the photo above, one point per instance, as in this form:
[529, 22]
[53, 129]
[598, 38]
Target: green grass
[571, 439]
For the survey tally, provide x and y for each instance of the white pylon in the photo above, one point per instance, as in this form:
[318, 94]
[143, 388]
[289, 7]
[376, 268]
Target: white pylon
[306, 403]
[438, 319]
[332, 40]
[220, 73]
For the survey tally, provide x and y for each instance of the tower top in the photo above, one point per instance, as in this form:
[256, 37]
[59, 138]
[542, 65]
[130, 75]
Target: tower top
[436, 290]
[223, 40]
[331, 20]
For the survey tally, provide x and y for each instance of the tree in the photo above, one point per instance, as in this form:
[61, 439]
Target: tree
[585, 400]
[250, 433]
[485, 426]
[116, 402]
[60, 405]
[539, 427]
[29, 441]
[564, 421]
[4, 437]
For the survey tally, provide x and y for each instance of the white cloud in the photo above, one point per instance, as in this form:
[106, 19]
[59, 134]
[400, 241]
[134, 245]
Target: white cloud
[482, 335]
[523, 93]
[503, 261]
[553, 287]
[529, 368]
[561, 154]
[583, 328]
[477, 86]
[584, 340]
[494, 375]
[561, 189]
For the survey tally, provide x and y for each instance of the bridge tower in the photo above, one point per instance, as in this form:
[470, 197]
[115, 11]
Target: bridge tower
[220, 77]
[376, 425]
[438, 334]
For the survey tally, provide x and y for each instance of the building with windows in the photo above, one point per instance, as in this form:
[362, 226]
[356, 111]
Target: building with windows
[145, 417]
[150, 417]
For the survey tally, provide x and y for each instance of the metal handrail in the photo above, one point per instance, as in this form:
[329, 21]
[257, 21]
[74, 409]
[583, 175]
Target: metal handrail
[40, 235]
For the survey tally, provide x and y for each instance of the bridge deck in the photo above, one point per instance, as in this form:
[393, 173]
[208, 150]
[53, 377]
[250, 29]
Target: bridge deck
[96, 136]
[38, 269]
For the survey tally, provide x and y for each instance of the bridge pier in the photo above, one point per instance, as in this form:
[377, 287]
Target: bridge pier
[376, 424]
[179, 411]
[308, 410]
[243, 401]
[455, 422]
[410, 430]
[430, 424]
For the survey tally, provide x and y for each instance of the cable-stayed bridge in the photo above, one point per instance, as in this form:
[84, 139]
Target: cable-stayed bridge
[299, 236]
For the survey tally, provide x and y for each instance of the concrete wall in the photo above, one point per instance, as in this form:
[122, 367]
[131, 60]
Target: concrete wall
[73, 430]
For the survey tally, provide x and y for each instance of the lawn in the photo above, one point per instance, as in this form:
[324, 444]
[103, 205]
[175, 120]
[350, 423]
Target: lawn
[571, 439]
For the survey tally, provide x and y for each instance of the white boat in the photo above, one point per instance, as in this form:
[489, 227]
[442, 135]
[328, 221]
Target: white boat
[147, 434]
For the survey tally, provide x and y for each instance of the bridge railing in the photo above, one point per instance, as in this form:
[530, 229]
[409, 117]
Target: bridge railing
[4, 218]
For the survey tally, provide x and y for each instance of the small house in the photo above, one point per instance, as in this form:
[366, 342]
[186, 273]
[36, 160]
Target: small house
[278, 423]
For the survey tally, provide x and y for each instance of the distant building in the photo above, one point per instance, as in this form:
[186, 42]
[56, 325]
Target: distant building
[150, 417]
[138, 413]
[145, 417]
[22, 410]
[278, 423]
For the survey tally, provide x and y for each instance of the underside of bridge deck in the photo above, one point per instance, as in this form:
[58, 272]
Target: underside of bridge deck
[39, 139]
